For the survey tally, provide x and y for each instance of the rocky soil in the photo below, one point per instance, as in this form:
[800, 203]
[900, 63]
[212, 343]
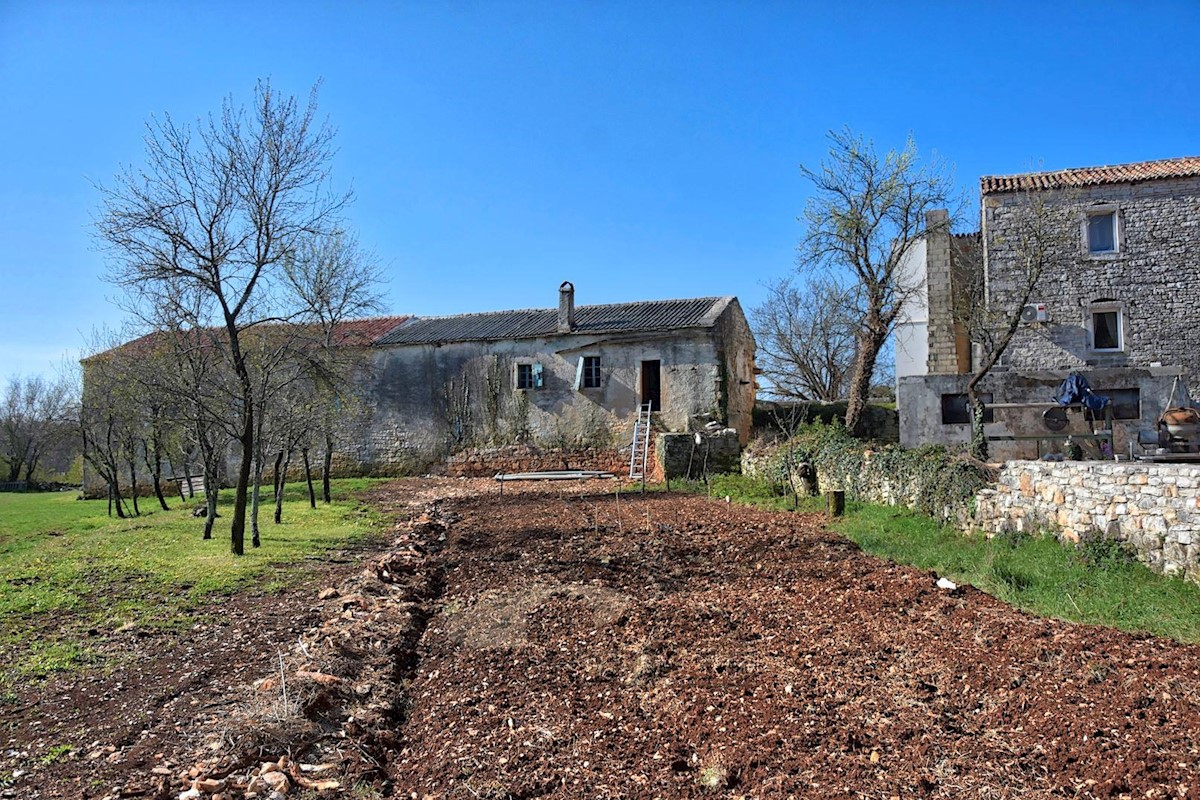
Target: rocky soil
[566, 642]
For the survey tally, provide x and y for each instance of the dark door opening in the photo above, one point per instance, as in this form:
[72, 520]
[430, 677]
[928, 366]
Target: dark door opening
[652, 385]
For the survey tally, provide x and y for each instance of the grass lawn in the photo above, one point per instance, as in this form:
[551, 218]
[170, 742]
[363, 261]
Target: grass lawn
[67, 567]
[1097, 583]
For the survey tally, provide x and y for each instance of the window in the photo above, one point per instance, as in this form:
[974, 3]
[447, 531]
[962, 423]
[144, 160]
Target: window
[955, 410]
[1102, 231]
[529, 376]
[591, 372]
[1106, 322]
[1126, 403]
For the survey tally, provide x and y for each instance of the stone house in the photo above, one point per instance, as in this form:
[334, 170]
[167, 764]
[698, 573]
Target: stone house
[570, 377]
[1121, 305]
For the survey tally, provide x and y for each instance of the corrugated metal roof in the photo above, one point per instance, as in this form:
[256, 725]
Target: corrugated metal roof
[650, 315]
[1187, 167]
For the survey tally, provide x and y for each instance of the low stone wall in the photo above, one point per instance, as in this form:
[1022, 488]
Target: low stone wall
[484, 463]
[1154, 508]
[680, 456]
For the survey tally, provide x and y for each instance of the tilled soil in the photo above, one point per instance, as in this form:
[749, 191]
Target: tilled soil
[580, 644]
[590, 646]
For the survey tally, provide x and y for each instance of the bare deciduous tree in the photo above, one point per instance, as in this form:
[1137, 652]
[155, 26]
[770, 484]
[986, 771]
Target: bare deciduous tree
[35, 415]
[209, 223]
[866, 215]
[1040, 235]
[806, 339]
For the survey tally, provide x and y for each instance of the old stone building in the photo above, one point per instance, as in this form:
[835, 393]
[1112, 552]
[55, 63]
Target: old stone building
[1118, 303]
[569, 377]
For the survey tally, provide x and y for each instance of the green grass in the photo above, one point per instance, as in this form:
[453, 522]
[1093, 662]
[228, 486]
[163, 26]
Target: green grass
[69, 568]
[1097, 583]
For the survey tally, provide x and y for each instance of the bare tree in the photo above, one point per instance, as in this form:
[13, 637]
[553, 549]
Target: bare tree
[1040, 235]
[35, 415]
[214, 214]
[806, 339]
[867, 213]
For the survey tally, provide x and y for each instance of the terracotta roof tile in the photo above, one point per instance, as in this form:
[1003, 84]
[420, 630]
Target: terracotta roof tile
[1187, 167]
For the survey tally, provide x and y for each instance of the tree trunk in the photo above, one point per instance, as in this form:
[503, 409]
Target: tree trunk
[869, 344]
[155, 467]
[327, 467]
[255, 498]
[312, 495]
[187, 473]
[137, 512]
[280, 483]
[210, 497]
[237, 529]
[278, 461]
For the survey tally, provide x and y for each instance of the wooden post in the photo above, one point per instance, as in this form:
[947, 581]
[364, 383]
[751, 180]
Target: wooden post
[835, 503]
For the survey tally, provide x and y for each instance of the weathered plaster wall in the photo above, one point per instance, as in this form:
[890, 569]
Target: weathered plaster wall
[421, 393]
[1153, 275]
[1154, 508]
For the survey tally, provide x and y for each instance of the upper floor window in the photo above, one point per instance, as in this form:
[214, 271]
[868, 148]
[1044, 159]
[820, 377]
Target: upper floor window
[1102, 231]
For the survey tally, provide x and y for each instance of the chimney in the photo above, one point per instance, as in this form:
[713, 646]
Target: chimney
[566, 307]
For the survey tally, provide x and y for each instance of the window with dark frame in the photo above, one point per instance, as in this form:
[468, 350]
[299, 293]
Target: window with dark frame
[524, 376]
[591, 372]
[956, 410]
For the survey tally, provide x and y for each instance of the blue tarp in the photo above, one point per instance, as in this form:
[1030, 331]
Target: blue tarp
[1075, 389]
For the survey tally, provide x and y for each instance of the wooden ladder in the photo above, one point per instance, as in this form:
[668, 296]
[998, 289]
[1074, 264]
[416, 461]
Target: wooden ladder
[641, 443]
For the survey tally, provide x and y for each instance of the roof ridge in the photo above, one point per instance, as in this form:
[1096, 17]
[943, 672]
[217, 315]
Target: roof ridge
[554, 309]
[1077, 177]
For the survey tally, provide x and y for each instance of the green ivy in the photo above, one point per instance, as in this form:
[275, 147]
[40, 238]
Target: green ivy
[932, 479]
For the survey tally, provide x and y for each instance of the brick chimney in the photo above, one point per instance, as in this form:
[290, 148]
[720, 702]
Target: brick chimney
[566, 307]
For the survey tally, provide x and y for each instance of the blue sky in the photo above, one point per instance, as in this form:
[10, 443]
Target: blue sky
[639, 149]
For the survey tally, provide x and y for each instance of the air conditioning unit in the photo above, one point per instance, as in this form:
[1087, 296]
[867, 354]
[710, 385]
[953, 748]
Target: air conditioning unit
[1034, 312]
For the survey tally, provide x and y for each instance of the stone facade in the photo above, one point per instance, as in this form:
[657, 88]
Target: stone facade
[1123, 316]
[430, 399]
[1151, 278]
[1154, 508]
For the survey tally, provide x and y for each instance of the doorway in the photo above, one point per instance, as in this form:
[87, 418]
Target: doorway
[652, 385]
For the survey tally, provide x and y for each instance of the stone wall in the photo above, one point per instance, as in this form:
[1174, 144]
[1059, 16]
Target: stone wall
[1151, 275]
[484, 463]
[680, 455]
[1154, 508]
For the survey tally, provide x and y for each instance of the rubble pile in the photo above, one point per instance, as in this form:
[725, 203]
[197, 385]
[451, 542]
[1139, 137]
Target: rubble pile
[326, 716]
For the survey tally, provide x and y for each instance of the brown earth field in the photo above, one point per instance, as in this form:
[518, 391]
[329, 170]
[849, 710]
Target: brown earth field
[567, 642]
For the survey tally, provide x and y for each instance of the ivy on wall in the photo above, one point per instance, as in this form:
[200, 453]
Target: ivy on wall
[931, 479]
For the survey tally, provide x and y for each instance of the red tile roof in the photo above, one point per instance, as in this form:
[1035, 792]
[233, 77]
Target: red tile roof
[1187, 167]
[353, 333]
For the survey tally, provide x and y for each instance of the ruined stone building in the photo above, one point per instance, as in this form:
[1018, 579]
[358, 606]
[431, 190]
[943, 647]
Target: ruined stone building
[570, 377]
[1119, 303]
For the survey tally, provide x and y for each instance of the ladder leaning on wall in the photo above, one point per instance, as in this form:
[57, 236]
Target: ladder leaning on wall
[641, 443]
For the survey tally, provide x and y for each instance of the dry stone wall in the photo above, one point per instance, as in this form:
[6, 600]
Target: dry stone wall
[1154, 508]
[484, 463]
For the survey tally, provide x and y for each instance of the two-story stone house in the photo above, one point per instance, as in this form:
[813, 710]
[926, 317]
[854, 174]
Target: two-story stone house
[1120, 303]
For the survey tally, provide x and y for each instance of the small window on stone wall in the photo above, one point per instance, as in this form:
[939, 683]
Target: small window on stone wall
[955, 410]
[1126, 403]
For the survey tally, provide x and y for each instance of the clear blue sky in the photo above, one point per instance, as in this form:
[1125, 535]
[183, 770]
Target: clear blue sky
[639, 149]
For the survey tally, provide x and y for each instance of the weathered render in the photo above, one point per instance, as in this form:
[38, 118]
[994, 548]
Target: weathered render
[442, 383]
[1120, 303]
